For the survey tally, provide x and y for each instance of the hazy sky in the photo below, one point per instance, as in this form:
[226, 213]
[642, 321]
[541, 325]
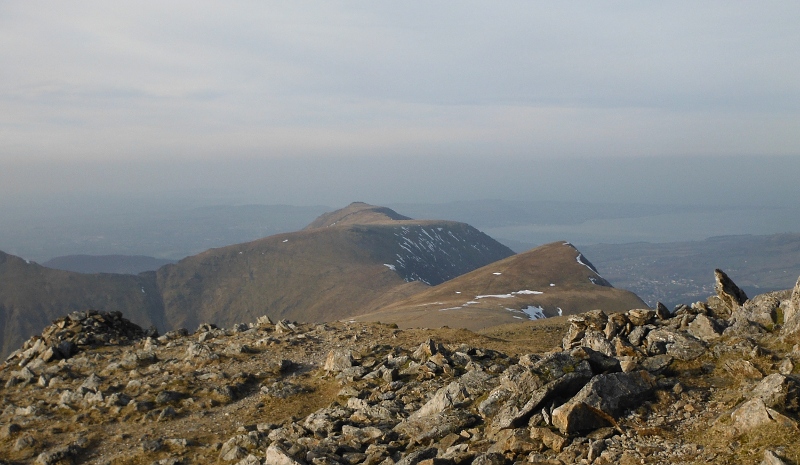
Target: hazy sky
[312, 97]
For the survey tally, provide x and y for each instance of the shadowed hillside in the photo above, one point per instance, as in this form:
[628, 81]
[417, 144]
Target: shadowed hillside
[31, 296]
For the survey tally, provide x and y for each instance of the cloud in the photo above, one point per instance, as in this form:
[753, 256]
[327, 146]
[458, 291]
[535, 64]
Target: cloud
[100, 80]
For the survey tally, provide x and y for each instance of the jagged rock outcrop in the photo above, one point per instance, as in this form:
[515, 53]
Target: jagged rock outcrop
[640, 386]
[730, 294]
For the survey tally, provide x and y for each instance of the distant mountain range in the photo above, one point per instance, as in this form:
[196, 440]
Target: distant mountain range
[355, 261]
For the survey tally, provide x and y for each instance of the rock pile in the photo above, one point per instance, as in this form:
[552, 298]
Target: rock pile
[644, 386]
[76, 332]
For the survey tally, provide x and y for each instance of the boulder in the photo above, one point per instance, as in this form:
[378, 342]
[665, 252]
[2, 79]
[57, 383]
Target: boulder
[597, 341]
[276, 455]
[338, 360]
[640, 316]
[753, 414]
[673, 343]
[570, 379]
[604, 397]
[574, 417]
[436, 426]
[727, 291]
[452, 395]
[770, 458]
[662, 312]
[704, 328]
[779, 392]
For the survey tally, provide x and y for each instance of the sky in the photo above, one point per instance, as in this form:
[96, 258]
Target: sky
[329, 102]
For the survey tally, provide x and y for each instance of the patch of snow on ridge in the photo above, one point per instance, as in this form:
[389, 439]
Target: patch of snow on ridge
[496, 273]
[508, 296]
[560, 312]
[495, 296]
[535, 313]
[390, 266]
[579, 257]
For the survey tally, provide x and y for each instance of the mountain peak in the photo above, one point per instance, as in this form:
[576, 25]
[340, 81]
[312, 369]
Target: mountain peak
[357, 213]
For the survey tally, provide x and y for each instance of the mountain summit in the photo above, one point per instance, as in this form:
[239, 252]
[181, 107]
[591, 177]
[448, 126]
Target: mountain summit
[357, 213]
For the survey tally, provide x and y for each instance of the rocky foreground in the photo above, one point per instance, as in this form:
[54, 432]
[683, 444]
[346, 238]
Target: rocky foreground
[714, 382]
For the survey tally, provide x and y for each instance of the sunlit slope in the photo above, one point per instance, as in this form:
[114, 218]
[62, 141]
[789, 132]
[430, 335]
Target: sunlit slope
[546, 281]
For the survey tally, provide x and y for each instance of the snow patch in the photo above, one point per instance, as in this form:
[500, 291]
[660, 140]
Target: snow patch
[535, 313]
[494, 296]
[451, 308]
[579, 257]
[497, 274]
[525, 291]
[286, 240]
[560, 312]
[552, 285]
[390, 266]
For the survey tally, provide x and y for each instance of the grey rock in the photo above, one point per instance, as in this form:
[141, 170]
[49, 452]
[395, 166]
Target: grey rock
[770, 458]
[516, 413]
[656, 364]
[779, 392]
[517, 441]
[704, 328]
[418, 456]
[754, 413]
[662, 312]
[24, 442]
[452, 395]
[489, 458]
[791, 311]
[597, 341]
[437, 426]
[637, 335]
[604, 397]
[640, 316]
[338, 360]
[574, 417]
[678, 345]
[58, 455]
[727, 291]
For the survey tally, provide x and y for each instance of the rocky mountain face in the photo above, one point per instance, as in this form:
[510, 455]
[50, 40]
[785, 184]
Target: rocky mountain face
[714, 382]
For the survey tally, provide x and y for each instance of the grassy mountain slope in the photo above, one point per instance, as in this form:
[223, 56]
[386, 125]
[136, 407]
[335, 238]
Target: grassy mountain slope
[541, 282]
[31, 296]
[325, 272]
